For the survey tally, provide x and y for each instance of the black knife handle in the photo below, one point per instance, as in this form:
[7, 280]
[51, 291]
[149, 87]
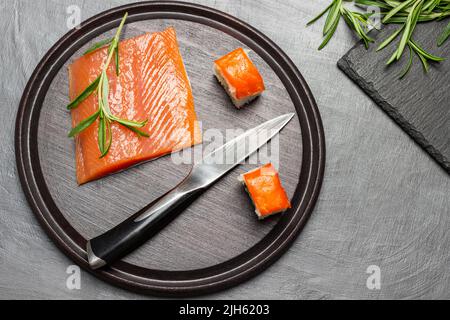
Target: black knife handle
[133, 232]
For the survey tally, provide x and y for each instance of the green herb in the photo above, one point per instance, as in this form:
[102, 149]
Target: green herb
[444, 36]
[83, 125]
[424, 56]
[138, 132]
[359, 23]
[331, 24]
[98, 45]
[409, 27]
[101, 87]
[117, 60]
[321, 14]
[409, 64]
[84, 95]
[396, 9]
[389, 39]
[332, 16]
[407, 13]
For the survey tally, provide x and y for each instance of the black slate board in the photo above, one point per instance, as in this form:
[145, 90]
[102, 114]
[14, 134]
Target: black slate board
[420, 102]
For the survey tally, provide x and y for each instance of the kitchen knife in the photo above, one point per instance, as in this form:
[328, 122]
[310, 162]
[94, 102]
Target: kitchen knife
[133, 232]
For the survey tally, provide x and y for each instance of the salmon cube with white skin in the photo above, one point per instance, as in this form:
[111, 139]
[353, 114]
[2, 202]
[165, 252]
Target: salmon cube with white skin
[265, 189]
[239, 77]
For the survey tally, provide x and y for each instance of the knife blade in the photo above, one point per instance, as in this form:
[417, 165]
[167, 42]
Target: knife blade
[133, 232]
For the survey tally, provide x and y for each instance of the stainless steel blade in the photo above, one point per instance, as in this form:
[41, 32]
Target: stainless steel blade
[211, 169]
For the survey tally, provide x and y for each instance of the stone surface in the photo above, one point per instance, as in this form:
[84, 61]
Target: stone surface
[419, 102]
[384, 202]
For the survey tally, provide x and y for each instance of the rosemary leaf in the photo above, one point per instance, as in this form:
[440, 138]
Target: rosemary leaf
[392, 58]
[320, 14]
[333, 15]
[130, 123]
[117, 60]
[408, 65]
[84, 95]
[105, 94]
[409, 27]
[119, 30]
[329, 35]
[424, 61]
[444, 36]
[392, 3]
[373, 3]
[138, 132]
[83, 125]
[102, 135]
[108, 144]
[360, 31]
[425, 54]
[430, 5]
[388, 40]
[98, 45]
[396, 9]
[352, 19]
[422, 18]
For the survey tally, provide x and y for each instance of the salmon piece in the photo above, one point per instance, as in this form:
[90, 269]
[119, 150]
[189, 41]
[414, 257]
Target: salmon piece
[153, 84]
[265, 190]
[239, 77]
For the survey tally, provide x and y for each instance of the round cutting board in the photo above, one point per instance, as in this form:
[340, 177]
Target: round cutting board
[217, 242]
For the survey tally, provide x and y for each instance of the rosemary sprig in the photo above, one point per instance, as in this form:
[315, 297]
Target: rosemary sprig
[101, 87]
[407, 13]
[359, 23]
[355, 20]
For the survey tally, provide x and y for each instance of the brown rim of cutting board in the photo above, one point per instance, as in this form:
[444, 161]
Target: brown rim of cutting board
[157, 282]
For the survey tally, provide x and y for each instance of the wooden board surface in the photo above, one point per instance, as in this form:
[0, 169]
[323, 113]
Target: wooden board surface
[383, 201]
[222, 223]
[419, 103]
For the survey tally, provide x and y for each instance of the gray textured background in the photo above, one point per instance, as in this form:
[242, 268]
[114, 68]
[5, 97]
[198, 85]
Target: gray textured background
[384, 201]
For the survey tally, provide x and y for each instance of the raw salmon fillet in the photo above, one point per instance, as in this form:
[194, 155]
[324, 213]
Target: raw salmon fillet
[153, 84]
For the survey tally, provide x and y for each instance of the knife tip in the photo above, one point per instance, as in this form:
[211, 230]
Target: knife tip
[287, 118]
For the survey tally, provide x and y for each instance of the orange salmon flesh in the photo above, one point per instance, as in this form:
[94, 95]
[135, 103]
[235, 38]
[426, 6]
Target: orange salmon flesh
[239, 76]
[265, 189]
[153, 84]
